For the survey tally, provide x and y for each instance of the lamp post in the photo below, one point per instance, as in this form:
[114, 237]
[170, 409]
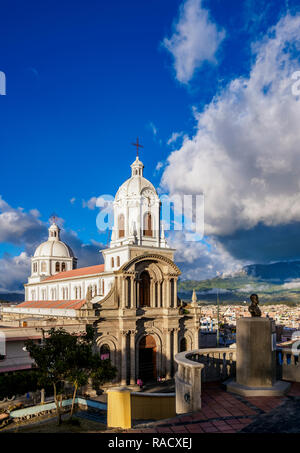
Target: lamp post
[218, 315]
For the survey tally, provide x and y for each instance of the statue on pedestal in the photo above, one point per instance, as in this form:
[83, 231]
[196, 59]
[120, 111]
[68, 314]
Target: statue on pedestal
[254, 308]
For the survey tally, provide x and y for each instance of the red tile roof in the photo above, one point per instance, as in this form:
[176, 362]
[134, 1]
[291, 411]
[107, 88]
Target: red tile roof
[65, 304]
[90, 270]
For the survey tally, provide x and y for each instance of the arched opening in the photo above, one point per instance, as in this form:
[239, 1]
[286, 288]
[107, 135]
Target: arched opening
[147, 225]
[63, 267]
[121, 225]
[57, 267]
[147, 359]
[183, 345]
[104, 352]
[145, 289]
[118, 261]
[43, 267]
[112, 262]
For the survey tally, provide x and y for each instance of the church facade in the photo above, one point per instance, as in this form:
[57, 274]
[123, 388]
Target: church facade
[131, 299]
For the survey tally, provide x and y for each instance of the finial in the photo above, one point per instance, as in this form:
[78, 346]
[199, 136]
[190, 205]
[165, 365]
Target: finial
[194, 297]
[53, 218]
[138, 145]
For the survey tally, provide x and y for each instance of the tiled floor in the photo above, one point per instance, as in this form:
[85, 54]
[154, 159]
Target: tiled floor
[221, 412]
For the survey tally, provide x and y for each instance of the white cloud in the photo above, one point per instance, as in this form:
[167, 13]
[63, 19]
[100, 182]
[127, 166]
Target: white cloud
[25, 229]
[14, 271]
[245, 156]
[200, 260]
[72, 200]
[174, 137]
[195, 40]
[99, 202]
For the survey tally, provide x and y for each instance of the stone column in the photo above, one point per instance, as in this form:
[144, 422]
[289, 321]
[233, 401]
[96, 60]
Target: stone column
[123, 357]
[168, 354]
[132, 357]
[132, 293]
[175, 293]
[123, 293]
[175, 341]
[137, 293]
[159, 294]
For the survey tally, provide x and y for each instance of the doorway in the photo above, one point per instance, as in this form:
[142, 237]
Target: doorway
[147, 359]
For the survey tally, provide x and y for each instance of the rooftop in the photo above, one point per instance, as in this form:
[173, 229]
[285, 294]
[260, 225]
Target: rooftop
[224, 412]
[90, 270]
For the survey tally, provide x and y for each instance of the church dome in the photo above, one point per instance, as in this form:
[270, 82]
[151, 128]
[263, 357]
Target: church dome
[137, 184]
[54, 247]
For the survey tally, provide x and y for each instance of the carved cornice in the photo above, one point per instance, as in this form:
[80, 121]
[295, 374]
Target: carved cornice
[146, 257]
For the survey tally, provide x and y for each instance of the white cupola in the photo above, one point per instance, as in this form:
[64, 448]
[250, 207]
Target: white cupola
[137, 212]
[51, 257]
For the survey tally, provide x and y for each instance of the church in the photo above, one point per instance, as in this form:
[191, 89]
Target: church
[131, 299]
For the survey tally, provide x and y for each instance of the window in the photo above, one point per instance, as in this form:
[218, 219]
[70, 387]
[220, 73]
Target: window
[102, 286]
[118, 261]
[183, 345]
[147, 224]
[121, 226]
[76, 293]
[63, 267]
[105, 352]
[43, 267]
[112, 262]
[95, 290]
[57, 267]
[34, 267]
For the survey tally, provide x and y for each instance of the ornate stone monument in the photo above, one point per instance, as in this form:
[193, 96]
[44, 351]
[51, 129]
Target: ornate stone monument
[256, 356]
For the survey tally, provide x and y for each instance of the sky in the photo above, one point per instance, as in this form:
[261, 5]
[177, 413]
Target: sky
[207, 87]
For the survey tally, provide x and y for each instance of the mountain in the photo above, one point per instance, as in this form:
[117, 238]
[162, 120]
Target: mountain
[276, 272]
[11, 297]
[274, 283]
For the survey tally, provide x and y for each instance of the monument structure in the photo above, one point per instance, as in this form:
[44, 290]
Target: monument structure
[256, 356]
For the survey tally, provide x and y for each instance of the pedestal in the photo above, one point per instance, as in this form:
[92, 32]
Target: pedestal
[256, 359]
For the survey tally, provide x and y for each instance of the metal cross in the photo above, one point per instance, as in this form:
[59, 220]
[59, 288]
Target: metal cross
[138, 145]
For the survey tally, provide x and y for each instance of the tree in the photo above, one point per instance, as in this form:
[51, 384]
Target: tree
[63, 357]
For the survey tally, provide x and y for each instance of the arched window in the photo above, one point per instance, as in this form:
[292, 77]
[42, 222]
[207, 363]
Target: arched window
[34, 267]
[118, 261]
[43, 266]
[145, 289]
[148, 225]
[102, 286]
[105, 352]
[112, 262]
[57, 267]
[121, 225]
[63, 267]
[183, 345]
[76, 292]
[95, 290]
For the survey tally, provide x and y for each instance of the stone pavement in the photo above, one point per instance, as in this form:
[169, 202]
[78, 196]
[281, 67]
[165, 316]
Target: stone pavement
[224, 412]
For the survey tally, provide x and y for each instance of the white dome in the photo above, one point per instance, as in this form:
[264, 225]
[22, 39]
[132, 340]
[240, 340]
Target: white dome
[137, 184]
[54, 249]
[134, 186]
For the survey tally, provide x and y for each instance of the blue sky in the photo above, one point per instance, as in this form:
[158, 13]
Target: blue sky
[84, 79]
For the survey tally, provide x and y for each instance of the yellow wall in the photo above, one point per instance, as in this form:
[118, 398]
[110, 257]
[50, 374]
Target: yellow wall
[152, 407]
[118, 409]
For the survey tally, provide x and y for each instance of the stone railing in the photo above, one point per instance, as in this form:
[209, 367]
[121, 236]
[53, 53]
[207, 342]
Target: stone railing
[187, 383]
[288, 365]
[219, 363]
[215, 364]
